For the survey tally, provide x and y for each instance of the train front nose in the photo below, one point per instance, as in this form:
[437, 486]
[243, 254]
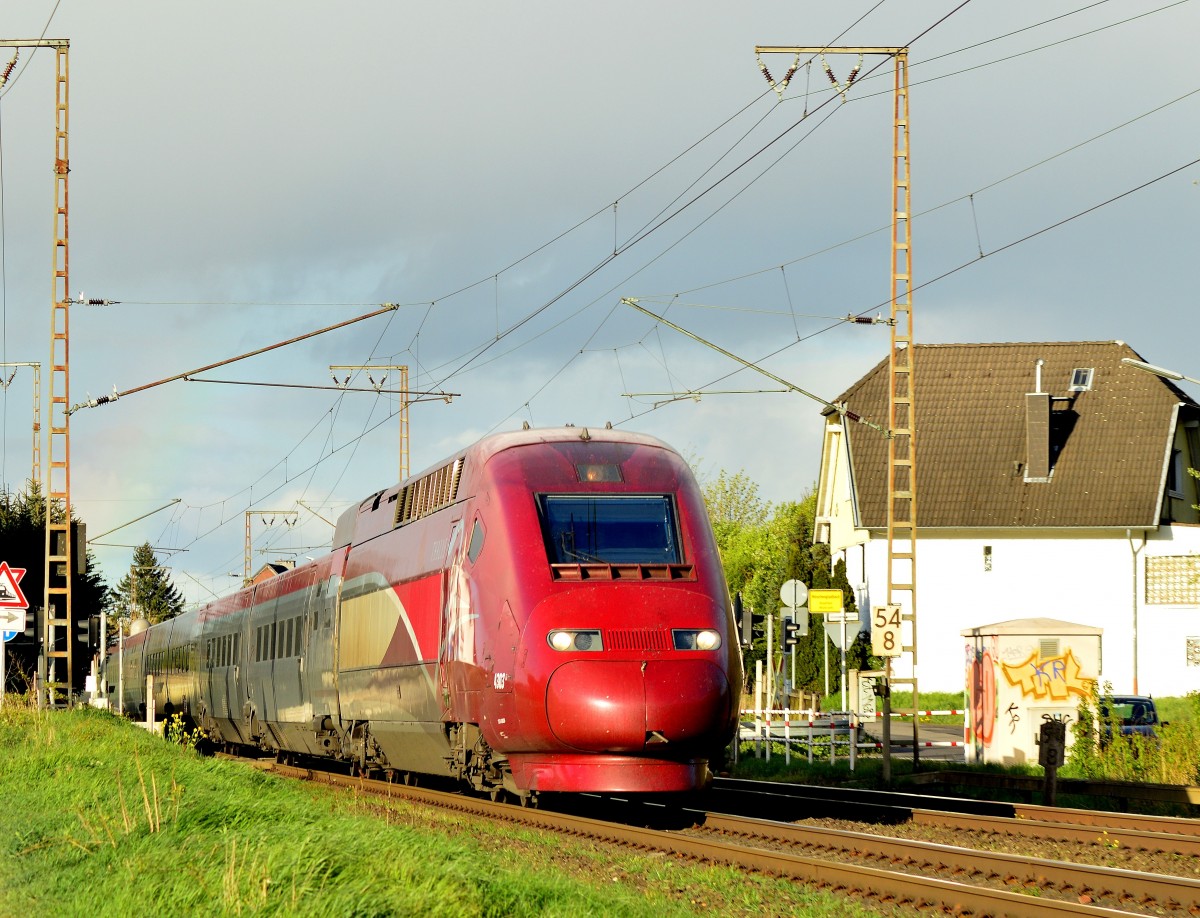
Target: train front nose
[636, 706]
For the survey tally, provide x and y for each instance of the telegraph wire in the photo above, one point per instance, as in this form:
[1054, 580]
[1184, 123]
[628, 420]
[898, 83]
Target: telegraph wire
[663, 221]
[1017, 54]
[948, 203]
[106, 399]
[974, 261]
[511, 329]
[7, 87]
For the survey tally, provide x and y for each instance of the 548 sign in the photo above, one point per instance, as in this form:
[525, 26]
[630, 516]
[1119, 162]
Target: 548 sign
[885, 631]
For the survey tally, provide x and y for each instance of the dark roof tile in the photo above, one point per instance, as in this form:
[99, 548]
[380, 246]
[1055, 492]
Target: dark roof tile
[1108, 444]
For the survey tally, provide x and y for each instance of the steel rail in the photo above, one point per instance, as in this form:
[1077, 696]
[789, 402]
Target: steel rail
[1171, 825]
[890, 886]
[1113, 834]
[1099, 882]
[1150, 833]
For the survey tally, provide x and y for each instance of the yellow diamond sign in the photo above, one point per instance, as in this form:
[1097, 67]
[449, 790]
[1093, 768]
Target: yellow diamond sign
[825, 601]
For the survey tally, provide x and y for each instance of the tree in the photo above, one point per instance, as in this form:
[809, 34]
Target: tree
[147, 591]
[23, 546]
[733, 500]
[760, 550]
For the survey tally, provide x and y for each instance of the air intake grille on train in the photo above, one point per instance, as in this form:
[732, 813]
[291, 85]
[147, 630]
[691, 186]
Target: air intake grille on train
[637, 639]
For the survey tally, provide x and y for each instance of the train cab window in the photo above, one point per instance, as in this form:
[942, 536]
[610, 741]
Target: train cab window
[610, 529]
[476, 545]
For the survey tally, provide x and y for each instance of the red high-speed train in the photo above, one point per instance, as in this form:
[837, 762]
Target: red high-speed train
[545, 611]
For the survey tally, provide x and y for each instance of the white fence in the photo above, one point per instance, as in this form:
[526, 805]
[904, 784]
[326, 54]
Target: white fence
[811, 734]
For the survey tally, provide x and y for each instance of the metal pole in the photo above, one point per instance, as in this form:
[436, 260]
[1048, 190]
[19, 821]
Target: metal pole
[886, 772]
[843, 618]
[826, 661]
[103, 680]
[770, 661]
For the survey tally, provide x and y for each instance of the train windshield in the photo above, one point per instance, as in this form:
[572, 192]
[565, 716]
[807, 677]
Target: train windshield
[610, 529]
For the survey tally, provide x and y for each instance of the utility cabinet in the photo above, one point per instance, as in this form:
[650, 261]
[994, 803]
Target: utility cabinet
[1021, 674]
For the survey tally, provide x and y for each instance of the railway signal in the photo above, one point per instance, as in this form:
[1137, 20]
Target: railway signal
[753, 624]
[791, 633]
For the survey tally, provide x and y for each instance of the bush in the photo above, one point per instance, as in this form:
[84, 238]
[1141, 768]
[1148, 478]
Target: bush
[1170, 757]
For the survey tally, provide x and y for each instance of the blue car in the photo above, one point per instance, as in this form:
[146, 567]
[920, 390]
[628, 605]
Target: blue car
[1136, 715]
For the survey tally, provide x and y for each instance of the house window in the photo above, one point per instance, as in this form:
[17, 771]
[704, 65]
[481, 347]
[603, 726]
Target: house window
[1081, 379]
[987, 557]
[1193, 651]
[1173, 580]
[1175, 474]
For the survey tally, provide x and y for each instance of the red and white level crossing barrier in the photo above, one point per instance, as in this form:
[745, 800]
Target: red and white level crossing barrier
[922, 713]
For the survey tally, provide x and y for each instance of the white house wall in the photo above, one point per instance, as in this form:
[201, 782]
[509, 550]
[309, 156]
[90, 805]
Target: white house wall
[1077, 577]
[835, 494]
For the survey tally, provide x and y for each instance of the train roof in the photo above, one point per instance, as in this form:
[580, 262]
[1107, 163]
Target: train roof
[480, 452]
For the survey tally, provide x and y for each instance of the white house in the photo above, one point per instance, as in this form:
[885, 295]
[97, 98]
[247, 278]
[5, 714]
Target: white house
[1051, 483]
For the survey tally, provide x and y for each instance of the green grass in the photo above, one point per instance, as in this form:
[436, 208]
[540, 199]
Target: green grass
[100, 818]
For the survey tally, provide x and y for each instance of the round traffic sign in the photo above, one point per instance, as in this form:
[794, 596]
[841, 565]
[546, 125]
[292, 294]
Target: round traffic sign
[794, 594]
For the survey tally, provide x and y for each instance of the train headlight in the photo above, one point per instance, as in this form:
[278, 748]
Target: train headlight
[575, 640]
[705, 639]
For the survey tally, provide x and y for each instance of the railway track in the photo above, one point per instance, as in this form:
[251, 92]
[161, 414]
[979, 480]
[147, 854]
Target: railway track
[1167, 835]
[895, 873]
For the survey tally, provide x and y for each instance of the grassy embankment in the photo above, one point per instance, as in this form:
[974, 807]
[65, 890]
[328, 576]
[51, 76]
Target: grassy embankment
[100, 818]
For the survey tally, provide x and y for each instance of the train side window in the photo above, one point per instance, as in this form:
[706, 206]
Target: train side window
[237, 644]
[476, 545]
[287, 641]
[273, 643]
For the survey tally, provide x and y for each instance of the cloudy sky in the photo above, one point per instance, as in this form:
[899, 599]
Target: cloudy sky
[243, 174]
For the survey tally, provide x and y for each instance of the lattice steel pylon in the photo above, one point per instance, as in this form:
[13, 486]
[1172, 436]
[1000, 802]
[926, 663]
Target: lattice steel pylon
[55, 668]
[57, 642]
[902, 452]
[902, 446]
[35, 475]
[292, 515]
[404, 400]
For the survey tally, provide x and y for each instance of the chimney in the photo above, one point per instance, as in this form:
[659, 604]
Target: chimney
[1037, 431]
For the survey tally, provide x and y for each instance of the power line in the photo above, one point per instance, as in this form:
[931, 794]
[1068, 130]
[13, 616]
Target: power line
[106, 399]
[974, 261]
